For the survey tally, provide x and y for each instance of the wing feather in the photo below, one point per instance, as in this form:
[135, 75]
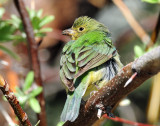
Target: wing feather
[88, 57]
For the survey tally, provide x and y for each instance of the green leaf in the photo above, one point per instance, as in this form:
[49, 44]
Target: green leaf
[45, 20]
[138, 51]
[19, 91]
[45, 30]
[15, 21]
[9, 52]
[60, 123]
[35, 92]
[152, 1]
[22, 99]
[28, 81]
[39, 13]
[6, 31]
[1, 12]
[34, 104]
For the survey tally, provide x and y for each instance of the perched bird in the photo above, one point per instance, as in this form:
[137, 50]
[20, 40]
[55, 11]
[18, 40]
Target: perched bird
[88, 62]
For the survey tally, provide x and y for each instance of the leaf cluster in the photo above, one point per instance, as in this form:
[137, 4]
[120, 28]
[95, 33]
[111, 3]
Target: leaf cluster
[12, 30]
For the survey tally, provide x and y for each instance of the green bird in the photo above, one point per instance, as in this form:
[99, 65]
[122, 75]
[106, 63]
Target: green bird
[87, 63]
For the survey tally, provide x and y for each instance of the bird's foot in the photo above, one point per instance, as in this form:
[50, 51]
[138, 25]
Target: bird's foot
[103, 109]
[108, 112]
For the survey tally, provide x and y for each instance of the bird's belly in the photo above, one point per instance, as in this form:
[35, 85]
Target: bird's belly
[95, 81]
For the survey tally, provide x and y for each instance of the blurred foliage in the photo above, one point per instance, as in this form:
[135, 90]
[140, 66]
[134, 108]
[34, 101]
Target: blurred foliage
[152, 1]
[27, 95]
[12, 30]
[3, 1]
[139, 50]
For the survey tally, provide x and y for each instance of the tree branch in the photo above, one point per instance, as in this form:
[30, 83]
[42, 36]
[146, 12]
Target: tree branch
[33, 53]
[132, 21]
[110, 95]
[22, 116]
[155, 33]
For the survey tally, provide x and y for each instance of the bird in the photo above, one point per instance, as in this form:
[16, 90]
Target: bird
[88, 61]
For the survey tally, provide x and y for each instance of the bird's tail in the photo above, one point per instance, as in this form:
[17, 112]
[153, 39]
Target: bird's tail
[71, 109]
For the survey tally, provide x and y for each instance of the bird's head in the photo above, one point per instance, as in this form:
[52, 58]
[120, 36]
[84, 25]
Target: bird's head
[83, 25]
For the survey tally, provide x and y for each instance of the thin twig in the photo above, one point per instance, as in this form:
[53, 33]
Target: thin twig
[117, 119]
[33, 53]
[22, 116]
[110, 94]
[132, 21]
[155, 33]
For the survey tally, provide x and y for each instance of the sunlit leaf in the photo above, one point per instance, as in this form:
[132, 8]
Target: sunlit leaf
[28, 81]
[46, 20]
[45, 30]
[138, 51]
[35, 92]
[34, 104]
[152, 1]
[39, 13]
[1, 12]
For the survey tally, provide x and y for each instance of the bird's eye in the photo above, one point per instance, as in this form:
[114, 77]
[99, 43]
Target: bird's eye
[81, 29]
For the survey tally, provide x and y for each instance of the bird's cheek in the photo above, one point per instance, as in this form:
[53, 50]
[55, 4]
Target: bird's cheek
[75, 36]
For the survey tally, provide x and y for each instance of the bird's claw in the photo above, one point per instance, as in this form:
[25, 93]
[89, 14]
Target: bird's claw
[109, 113]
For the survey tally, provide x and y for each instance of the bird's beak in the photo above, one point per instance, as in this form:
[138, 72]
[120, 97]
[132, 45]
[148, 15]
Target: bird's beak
[69, 32]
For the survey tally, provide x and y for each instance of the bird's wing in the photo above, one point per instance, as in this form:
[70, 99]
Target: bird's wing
[85, 58]
[99, 54]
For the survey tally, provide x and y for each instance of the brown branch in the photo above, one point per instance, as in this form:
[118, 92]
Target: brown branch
[33, 53]
[110, 94]
[8, 93]
[132, 21]
[155, 33]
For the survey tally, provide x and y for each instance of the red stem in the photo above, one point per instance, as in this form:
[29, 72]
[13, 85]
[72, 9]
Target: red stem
[117, 119]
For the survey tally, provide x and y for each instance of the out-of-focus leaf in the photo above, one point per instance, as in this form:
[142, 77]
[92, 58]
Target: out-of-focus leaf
[45, 30]
[60, 123]
[14, 55]
[138, 51]
[6, 31]
[34, 104]
[152, 1]
[39, 13]
[19, 91]
[22, 99]
[45, 20]
[1, 12]
[28, 81]
[15, 21]
[32, 13]
[35, 92]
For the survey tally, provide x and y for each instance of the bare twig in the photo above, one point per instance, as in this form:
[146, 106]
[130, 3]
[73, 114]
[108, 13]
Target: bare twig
[132, 21]
[110, 94]
[33, 53]
[154, 34]
[22, 116]
[117, 119]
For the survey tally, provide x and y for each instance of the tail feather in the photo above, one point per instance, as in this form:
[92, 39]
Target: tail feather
[71, 109]
[112, 68]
